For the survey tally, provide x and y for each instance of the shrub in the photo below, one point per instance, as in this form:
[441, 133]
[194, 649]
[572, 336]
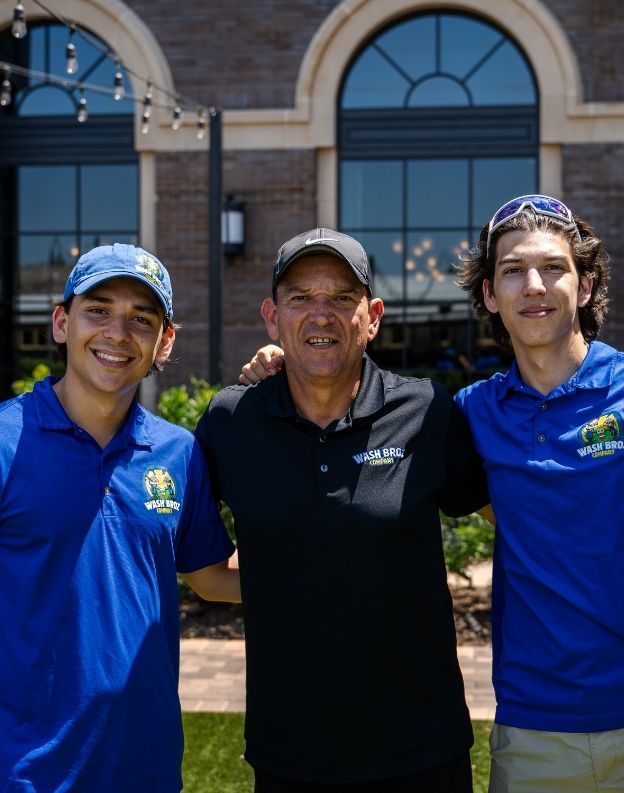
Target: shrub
[466, 541]
[181, 406]
[40, 372]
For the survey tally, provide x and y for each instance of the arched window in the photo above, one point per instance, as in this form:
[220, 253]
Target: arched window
[438, 127]
[65, 186]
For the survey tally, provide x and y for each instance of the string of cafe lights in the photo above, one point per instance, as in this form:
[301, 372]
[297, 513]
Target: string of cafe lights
[175, 103]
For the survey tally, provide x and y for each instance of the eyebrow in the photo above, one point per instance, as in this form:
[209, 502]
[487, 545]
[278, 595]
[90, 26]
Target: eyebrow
[341, 289]
[95, 298]
[555, 257]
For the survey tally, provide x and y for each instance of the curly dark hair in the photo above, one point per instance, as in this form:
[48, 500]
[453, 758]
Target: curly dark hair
[61, 347]
[588, 253]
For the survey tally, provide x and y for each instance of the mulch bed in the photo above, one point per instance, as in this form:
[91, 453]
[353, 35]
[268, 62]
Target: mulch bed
[471, 605]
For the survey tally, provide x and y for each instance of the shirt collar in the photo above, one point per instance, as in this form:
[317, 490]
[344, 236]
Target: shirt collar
[596, 371]
[368, 400]
[52, 416]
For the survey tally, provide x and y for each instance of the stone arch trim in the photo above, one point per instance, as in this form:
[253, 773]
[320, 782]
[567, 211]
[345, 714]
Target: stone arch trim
[353, 22]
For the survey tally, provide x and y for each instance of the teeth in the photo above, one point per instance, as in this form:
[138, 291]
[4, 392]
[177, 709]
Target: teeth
[320, 340]
[112, 358]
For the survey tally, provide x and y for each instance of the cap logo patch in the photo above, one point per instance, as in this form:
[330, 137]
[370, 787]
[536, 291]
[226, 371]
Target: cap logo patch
[601, 436]
[150, 269]
[161, 489]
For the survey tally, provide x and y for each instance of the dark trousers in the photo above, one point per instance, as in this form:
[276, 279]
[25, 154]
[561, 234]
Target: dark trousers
[455, 776]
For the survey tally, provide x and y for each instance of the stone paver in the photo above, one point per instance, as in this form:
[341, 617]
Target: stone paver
[212, 677]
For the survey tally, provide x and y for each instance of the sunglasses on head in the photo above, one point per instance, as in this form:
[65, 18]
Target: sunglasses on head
[542, 205]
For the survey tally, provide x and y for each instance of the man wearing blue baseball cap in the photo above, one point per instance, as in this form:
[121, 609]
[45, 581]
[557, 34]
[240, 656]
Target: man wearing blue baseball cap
[100, 504]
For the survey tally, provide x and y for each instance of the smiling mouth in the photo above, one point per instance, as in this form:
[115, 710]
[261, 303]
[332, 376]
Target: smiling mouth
[320, 341]
[536, 312]
[108, 357]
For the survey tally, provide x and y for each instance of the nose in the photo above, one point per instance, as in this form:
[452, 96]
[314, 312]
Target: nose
[533, 284]
[321, 311]
[117, 329]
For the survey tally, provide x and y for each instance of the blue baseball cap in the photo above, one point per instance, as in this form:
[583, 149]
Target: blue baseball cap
[120, 261]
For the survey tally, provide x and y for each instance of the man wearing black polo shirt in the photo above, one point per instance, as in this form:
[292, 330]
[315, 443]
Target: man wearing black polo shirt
[335, 472]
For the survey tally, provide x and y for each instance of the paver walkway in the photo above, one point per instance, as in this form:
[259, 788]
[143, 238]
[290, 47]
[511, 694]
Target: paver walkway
[212, 676]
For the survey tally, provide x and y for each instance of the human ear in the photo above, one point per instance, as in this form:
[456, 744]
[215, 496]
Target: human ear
[269, 315]
[586, 283]
[488, 297]
[375, 313]
[59, 324]
[166, 345]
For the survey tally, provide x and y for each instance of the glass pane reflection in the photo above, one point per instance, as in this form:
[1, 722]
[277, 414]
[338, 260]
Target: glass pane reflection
[373, 82]
[45, 262]
[437, 193]
[411, 45]
[429, 261]
[109, 197]
[385, 252]
[519, 175]
[46, 198]
[371, 193]
[504, 79]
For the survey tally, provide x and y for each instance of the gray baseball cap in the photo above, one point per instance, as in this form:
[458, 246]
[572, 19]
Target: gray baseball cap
[324, 241]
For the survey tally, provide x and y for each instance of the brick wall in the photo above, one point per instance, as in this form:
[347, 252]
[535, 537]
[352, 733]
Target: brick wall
[278, 190]
[243, 54]
[593, 184]
[595, 29]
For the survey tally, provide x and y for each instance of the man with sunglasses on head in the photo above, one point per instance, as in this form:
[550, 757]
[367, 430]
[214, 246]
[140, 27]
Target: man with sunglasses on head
[551, 434]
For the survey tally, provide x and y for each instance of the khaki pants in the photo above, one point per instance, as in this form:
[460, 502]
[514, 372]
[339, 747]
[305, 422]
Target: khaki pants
[533, 761]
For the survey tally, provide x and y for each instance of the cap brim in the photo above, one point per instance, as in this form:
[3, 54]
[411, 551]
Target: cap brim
[323, 249]
[93, 280]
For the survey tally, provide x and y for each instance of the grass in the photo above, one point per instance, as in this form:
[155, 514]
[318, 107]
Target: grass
[213, 761]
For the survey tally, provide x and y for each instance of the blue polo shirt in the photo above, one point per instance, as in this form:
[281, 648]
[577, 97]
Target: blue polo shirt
[90, 541]
[555, 469]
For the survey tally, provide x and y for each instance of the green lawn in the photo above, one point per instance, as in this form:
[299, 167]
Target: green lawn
[213, 760]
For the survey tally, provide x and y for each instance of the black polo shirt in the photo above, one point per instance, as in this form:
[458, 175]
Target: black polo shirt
[352, 669]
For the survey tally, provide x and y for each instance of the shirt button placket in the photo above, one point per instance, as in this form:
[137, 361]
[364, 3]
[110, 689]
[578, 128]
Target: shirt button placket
[322, 466]
[540, 435]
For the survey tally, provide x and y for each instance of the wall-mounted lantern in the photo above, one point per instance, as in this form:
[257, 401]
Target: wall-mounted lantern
[233, 227]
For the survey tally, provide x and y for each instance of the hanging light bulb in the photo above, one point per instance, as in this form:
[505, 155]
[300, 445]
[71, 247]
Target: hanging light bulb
[5, 89]
[118, 83]
[71, 57]
[18, 28]
[145, 123]
[83, 111]
[201, 124]
[176, 121]
[147, 109]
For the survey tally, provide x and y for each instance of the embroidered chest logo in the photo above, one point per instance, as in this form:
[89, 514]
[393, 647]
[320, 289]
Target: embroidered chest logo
[161, 489]
[385, 456]
[601, 437]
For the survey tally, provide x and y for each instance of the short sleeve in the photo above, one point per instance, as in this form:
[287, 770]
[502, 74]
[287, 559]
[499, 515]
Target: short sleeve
[466, 487]
[202, 538]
